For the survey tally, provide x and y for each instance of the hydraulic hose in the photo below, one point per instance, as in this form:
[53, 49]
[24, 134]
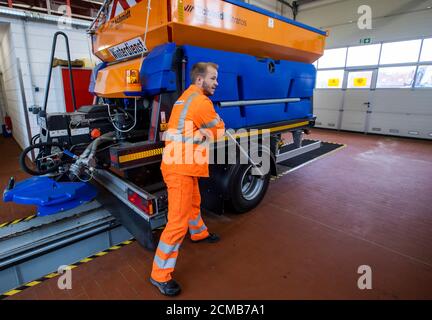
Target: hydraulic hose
[110, 136]
[90, 151]
[86, 160]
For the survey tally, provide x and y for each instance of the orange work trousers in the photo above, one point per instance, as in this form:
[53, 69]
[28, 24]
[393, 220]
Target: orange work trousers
[183, 213]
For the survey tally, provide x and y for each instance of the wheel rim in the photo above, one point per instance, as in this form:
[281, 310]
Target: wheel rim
[251, 185]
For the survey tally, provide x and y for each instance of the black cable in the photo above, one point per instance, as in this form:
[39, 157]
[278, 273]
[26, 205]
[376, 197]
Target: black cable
[41, 146]
[34, 139]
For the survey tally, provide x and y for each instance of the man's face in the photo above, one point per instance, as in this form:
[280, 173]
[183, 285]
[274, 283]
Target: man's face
[210, 81]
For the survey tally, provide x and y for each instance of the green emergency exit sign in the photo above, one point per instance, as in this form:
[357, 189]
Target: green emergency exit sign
[365, 40]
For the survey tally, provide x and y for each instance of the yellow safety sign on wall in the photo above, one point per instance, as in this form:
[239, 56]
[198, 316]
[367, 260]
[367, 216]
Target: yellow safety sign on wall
[360, 82]
[334, 82]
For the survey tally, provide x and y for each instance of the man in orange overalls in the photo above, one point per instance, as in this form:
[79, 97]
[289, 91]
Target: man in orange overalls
[192, 124]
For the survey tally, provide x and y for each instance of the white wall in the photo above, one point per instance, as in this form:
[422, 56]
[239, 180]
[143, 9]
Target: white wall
[399, 112]
[3, 29]
[8, 68]
[2, 105]
[271, 5]
[391, 20]
[34, 56]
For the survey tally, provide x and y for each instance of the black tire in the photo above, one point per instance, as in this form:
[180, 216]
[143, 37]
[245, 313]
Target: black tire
[41, 169]
[245, 197]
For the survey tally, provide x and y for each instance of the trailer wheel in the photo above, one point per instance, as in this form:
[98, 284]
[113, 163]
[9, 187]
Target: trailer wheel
[247, 190]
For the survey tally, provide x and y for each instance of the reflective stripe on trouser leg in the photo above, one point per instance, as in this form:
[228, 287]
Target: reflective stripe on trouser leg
[166, 255]
[197, 227]
[180, 189]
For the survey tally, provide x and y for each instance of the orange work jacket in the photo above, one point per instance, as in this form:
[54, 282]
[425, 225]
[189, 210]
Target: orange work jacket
[192, 125]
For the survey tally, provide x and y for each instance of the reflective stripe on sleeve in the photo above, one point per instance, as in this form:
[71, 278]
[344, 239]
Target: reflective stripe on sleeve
[211, 124]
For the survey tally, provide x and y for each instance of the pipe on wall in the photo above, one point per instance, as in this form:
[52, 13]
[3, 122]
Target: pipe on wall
[36, 16]
[33, 83]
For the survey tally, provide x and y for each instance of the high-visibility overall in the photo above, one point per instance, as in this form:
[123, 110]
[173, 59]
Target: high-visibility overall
[192, 121]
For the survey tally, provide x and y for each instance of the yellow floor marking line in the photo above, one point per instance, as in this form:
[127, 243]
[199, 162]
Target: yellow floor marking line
[5, 224]
[70, 267]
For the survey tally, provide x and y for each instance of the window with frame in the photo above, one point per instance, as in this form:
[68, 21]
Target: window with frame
[426, 54]
[395, 77]
[329, 79]
[424, 77]
[400, 52]
[399, 64]
[333, 58]
[359, 79]
[363, 55]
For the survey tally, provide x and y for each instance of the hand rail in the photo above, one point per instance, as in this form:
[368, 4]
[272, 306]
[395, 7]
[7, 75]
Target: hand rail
[59, 33]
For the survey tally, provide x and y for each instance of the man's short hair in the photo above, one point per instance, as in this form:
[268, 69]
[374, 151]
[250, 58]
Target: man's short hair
[200, 69]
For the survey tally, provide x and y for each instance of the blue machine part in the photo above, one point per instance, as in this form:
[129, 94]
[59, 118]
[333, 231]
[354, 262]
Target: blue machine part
[156, 71]
[245, 77]
[95, 71]
[49, 195]
[241, 77]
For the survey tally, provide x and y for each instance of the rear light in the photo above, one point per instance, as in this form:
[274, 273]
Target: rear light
[144, 205]
[132, 76]
[114, 158]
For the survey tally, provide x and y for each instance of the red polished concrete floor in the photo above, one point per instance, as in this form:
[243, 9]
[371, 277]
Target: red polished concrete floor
[367, 204]
[9, 167]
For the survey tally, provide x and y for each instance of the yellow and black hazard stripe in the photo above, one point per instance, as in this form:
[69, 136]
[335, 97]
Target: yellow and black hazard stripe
[70, 267]
[5, 224]
[140, 155]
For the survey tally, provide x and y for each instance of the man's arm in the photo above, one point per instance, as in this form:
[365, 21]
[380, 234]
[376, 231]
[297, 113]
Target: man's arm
[208, 121]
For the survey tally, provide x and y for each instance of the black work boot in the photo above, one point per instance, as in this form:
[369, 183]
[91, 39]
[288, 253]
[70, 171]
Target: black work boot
[212, 238]
[170, 288]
